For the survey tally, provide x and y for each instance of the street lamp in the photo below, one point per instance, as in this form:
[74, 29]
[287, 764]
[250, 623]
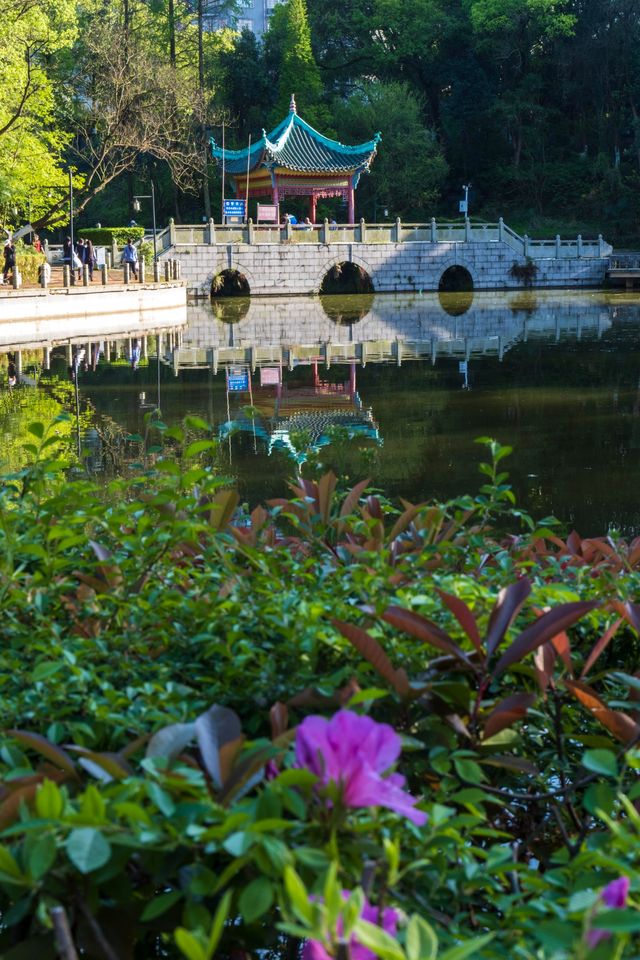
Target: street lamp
[137, 207]
[464, 204]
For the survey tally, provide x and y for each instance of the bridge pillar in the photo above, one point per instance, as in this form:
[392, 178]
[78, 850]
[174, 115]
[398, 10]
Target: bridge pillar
[172, 231]
[558, 246]
[467, 230]
[500, 229]
[398, 230]
[600, 245]
[324, 232]
[579, 245]
[249, 231]
[363, 231]
[212, 231]
[526, 245]
[434, 230]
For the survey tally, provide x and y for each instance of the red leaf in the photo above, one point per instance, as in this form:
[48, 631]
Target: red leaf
[279, 716]
[418, 626]
[619, 724]
[506, 608]
[464, 616]
[630, 611]
[544, 660]
[505, 713]
[601, 645]
[59, 757]
[548, 626]
[351, 501]
[373, 652]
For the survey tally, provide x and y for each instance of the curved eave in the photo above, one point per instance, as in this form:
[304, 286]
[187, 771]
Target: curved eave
[235, 161]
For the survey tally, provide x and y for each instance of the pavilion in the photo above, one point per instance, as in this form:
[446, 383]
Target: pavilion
[294, 160]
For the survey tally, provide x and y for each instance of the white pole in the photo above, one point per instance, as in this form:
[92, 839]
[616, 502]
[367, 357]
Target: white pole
[222, 212]
[246, 202]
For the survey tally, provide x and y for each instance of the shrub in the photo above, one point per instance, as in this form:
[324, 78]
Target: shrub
[524, 272]
[29, 262]
[105, 236]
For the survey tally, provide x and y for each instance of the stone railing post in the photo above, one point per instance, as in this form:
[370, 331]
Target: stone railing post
[287, 229]
[579, 245]
[324, 232]
[249, 231]
[156, 271]
[525, 240]
[600, 245]
[85, 275]
[44, 275]
[212, 231]
[398, 230]
[434, 230]
[66, 276]
[363, 231]
[167, 270]
[500, 230]
[114, 253]
[467, 230]
[558, 246]
[141, 267]
[172, 232]
[16, 279]
[108, 259]
[125, 272]
[104, 276]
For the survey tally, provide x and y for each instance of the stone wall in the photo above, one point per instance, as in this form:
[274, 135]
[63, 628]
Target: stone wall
[415, 266]
[54, 315]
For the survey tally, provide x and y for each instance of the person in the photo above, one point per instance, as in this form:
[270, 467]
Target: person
[89, 257]
[9, 261]
[36, 243]
[12, 373]
[293, 220]
[333, 225]
[136, 353]
[66, 251]
[307, 224]
[130, 256]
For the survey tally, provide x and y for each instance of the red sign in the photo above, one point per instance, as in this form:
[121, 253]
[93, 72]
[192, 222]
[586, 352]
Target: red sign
[268, 213]
[269, 376]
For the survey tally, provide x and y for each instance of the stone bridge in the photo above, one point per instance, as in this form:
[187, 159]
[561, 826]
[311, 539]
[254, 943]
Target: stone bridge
[396, 257]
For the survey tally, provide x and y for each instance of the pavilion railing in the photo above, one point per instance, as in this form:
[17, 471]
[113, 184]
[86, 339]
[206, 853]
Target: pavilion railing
[326, 233]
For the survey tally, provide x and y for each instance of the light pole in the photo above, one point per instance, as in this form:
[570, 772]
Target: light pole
[136, 206]
[72, 274]
[464, 204]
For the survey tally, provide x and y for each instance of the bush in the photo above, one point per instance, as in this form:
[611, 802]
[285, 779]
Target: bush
[29, 262]
[105, 236]
[505, 661]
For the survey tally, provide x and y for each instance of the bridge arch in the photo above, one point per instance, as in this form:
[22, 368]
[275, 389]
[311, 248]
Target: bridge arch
[227, 265]
[455, 276]
[336, 263]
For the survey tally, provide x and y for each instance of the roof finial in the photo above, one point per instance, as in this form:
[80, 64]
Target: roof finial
[292, 105]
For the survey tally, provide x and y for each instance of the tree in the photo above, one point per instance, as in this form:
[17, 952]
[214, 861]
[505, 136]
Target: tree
[298, 71]
[409, 170]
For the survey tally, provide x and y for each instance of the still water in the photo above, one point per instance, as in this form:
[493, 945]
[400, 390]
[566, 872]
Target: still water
[398, 387]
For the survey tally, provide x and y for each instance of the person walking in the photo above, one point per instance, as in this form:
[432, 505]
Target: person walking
[9, 265]
[89, 257]
[37, 243]
[130, 256]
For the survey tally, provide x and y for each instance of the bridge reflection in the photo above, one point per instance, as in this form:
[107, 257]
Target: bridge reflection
[381, 328]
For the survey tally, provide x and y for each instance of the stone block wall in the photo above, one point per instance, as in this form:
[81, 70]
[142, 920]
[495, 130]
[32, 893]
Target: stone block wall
[299, 268]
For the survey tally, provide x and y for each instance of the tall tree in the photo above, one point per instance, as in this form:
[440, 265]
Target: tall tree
[299, 73]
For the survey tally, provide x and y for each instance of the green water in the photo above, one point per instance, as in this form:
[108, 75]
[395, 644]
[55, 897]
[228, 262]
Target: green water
[557, 376]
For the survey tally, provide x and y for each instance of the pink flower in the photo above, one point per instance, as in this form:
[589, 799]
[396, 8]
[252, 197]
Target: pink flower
[354, 751]
[314, 950]
[614, 896]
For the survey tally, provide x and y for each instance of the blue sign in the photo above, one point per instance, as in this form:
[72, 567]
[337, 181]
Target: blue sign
[237, 380]
[234, 208]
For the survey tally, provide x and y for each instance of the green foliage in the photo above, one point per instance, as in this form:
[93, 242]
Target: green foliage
[105, 236]
[504, 655]
[29, 262]
[298, 72]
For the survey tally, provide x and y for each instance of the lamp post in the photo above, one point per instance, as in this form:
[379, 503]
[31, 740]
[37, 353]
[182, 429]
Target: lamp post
[465, 209]
[137, 207]
[72, 275]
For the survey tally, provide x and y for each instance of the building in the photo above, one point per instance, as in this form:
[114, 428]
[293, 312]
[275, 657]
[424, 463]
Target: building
[294, 160]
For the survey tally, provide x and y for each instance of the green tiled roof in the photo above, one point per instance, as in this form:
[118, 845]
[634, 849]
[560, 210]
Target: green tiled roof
[295, 145]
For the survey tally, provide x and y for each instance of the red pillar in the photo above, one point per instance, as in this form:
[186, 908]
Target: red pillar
[352, 380]
[312, 207]
[352, 201]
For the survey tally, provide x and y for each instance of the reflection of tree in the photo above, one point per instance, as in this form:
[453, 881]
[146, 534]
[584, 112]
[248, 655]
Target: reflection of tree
[344, 309]
[231, 310]
[24, 406]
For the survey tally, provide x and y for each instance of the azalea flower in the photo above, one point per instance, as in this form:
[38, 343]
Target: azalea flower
[354, 752]
[315, 950]
[614, 896]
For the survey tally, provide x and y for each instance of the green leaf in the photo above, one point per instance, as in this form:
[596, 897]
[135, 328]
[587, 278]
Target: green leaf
[467, 949]
[8, 865]
[378, 941]
[160, 905]
[217, 926]
[298, 896]
[45, 669]
[36, 430]
[256, 899]
[87, 849]
[601, 761]
[42, 856]
[189, 945]
[468, 770]
[49, 801]
[618, 921]
[198, 446]
[421, 942]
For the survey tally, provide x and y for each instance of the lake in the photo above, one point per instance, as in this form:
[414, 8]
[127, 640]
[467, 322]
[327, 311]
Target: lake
[397, 387]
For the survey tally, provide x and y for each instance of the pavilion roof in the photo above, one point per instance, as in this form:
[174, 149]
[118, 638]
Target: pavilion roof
[296, 145]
